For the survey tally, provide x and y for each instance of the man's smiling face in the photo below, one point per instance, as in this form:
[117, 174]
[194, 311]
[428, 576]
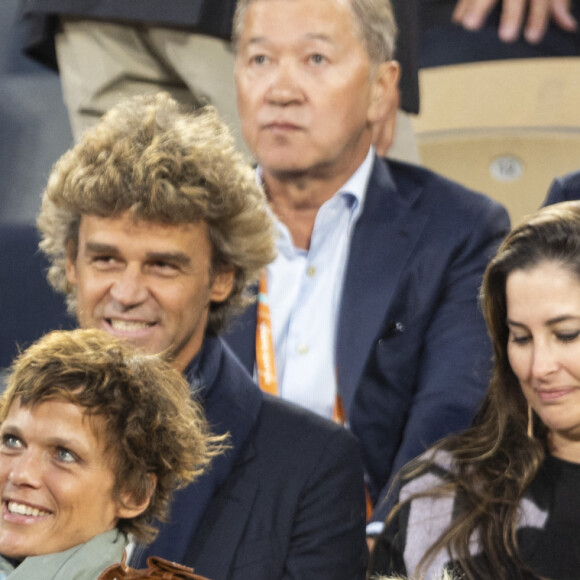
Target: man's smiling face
[148, 282]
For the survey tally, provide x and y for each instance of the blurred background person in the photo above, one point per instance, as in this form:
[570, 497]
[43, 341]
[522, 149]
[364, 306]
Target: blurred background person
[564, 188]
[456, 31]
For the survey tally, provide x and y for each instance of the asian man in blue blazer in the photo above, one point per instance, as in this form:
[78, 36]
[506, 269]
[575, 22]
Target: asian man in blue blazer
[372, 301]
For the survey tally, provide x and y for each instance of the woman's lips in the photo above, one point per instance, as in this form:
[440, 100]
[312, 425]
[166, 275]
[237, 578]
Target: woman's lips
[548, 395]
[23, 513]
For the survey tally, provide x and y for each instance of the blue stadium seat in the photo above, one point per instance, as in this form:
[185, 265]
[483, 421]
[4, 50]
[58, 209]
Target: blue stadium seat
[28, 304]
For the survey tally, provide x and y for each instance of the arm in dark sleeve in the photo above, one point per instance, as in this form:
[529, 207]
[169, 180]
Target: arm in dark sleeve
[387, 556]
[328, 539]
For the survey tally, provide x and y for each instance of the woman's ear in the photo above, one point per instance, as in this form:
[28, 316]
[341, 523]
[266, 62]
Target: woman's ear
[128, 508]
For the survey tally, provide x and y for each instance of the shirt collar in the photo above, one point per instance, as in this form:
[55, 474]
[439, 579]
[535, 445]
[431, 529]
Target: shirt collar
[354, 190]
[356, 186]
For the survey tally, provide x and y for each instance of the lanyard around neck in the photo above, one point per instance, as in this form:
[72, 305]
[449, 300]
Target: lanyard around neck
[265, 356]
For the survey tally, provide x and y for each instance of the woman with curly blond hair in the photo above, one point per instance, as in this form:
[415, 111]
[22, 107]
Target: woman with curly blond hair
[94, 438]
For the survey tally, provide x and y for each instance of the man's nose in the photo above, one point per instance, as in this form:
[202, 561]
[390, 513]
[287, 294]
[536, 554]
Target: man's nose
[284, 88]
[129, 287]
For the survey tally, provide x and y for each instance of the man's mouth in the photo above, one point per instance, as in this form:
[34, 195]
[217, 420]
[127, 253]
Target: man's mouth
[25, 510]
[128, 324]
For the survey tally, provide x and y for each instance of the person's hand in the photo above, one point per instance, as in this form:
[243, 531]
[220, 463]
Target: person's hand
[471, 14]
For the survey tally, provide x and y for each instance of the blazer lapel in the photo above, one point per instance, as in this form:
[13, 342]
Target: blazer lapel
[382, 241]
[232, 404]
[213, 548]
[241, 338]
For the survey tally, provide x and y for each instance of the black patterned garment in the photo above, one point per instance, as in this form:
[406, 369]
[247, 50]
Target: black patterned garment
[548, 530]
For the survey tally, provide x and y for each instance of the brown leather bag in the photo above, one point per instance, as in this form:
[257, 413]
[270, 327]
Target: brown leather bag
[156, 568]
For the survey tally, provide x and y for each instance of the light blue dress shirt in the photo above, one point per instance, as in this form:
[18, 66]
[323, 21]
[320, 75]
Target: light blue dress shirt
[304, 292]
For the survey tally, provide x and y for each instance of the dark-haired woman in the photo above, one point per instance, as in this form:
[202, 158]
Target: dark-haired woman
[501, 500]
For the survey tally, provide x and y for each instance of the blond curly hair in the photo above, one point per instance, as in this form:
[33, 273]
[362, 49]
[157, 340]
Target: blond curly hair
[149, 156]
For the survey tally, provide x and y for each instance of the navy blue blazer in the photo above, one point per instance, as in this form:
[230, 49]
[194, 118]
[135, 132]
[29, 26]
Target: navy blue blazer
[412, 355]
[286, 502]
[565, 188]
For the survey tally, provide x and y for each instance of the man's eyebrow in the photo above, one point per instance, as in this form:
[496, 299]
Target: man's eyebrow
[7, 428]
[308, 36]
[179, 258]
[99, 247]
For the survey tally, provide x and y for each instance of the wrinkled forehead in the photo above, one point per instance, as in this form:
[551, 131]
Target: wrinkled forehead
[240, 19]
[244, 5]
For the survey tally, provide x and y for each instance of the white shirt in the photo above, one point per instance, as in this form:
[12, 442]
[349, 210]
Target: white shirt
[304, 292]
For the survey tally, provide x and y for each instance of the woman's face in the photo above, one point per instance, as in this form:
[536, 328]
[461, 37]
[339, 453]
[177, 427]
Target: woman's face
[56, 480]
[543, 311]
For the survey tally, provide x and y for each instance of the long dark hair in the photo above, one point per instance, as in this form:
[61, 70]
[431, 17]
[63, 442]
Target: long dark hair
[495, 460]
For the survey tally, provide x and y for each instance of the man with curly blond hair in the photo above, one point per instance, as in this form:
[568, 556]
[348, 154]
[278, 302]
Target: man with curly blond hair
[154, 228]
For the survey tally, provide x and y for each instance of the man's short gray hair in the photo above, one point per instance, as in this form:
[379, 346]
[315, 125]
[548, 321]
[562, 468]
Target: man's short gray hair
[374, 19]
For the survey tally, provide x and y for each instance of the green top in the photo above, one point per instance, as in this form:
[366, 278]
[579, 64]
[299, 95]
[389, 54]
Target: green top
[83, 562]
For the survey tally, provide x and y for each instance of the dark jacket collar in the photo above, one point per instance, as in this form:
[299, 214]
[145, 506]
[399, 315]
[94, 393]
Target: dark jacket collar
[232, 403]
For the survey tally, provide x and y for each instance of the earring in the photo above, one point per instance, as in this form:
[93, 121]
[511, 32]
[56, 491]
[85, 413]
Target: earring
[530, 422]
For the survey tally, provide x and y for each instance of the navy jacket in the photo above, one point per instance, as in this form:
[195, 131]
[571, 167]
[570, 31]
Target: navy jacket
[565, 188]
[286, 502]
[29, 306]
[412, 356]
